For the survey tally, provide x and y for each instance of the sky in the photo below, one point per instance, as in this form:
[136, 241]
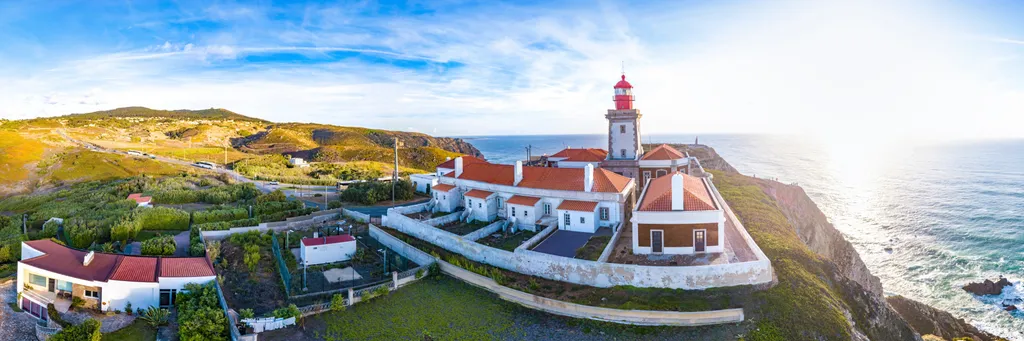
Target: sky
[847, 69]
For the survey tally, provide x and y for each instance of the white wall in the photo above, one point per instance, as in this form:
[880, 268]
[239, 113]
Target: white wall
[28, 252]
[447, 201]
[482, 209]
[139, 294]
[179, 282]
[622, 141]
[23, 279]
[526, 216]
[591, 273]
[577, 164]
[329, 253]
[589, 224]
[422, 182]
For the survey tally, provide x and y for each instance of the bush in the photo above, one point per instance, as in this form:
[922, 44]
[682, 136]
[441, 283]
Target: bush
[81, 236]
[155, 317]
[213, 250]
[51, 310]
[126, 228]
[276, 206]
[87, 331]
[279, 216]
[333, 204]
[246, 313]
[77, 302]
[252, 256]
[372, 192]
[286, 312]
[163, 218]
[159, 246]
[224, 225]
[219, 215]
[199, 313]
[196, 249]
[275, 196]
[338, 302]
[50, 229]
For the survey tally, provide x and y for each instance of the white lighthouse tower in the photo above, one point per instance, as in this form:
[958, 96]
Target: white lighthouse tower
[624, 144]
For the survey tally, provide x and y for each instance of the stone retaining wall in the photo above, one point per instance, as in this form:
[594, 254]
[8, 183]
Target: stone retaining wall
[484, 231]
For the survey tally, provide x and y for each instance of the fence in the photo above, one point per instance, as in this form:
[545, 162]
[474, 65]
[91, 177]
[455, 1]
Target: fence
[282, 268]
[235, 335]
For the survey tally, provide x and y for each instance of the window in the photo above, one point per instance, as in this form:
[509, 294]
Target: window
[567, 221]
[64, 285]
[525, 213]
[622, 152]
[583, 220]
[93, 294]
[501, 202]
[647, 175]
[480, 205]
[38, 280]
[444, 197]
[167, 297]
[470, 203]
[622, 129]
[547, 209]
[513, 211]
[661, 172]
[604, 213]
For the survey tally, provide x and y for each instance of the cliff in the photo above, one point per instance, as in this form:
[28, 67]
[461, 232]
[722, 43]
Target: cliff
[857, 293]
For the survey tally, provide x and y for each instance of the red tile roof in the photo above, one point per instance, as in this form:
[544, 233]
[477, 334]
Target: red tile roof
[663, 152]
[582, 154]
[522, 200]
[341, 238]
[442, 187]
[466, 159]
[185, 267]
[565, 179]
[696, 196]
[139, 198]
[104, 266]
[576, 205]
[136, 269]
[476, 193]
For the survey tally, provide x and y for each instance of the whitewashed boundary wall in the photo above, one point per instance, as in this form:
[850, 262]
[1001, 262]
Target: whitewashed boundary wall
[411, 208]
[447, 219]
[587, 272]
[634, 317]
[611, 245]
[529, 243]
[277, 226]
[484, 231]
[397, 245]
[358, 216]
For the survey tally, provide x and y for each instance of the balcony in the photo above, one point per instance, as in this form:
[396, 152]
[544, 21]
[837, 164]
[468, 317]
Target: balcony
[46, 297]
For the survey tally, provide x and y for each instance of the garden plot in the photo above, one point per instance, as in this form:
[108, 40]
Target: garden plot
[462, 228]
[507, 241]
[248, 268]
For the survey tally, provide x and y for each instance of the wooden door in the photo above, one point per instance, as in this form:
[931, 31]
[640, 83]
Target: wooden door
[698, 241]
[657, 241]
[51, 285]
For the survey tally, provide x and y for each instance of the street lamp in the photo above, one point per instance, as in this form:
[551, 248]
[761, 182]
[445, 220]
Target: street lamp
[385, 252]
[287, 246]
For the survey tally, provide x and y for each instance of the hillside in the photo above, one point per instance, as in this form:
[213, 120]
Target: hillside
[33, 152]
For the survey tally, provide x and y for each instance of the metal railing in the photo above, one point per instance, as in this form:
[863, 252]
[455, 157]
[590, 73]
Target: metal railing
[282, 268]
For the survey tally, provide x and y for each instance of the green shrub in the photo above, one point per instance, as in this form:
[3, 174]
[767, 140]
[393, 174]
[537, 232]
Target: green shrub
[87, 331]
[333, 204]
[126, 228]
[224, 225]
[372, 192]
[219, 215]
[50, 229]
[81, 236]
[196, 249]
[77, 302]
[275, 196]
[252, 256]
[276, 206]
[200, 316]
[159, 246]
[279, 216]
[155, 317]
[338, 302]
[287, 312]
[246, 313]
[51, 310]
[163, 218]
[213, 250]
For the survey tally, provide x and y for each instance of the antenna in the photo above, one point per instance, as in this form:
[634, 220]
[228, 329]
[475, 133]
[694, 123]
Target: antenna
[623, 67]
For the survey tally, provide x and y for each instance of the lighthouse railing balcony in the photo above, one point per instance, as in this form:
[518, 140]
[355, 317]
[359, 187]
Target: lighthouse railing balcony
[623, 97]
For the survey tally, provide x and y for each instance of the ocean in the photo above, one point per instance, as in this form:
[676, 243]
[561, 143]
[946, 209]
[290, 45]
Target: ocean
[951, 212]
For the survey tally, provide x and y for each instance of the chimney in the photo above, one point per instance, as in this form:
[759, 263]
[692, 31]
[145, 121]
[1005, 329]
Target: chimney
[588, 177]
[677, 192]
[446, 158]
[316, 234]
[519, 173]
[674, 167]
[88, 258]
[458, 167]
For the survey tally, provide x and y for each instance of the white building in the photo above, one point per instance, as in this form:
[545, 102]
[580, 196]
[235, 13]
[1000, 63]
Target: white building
[678, 214]
[141, 200]
[485, 189]
[298, 162]
[422, 183]
[52, 273]
[322, 250]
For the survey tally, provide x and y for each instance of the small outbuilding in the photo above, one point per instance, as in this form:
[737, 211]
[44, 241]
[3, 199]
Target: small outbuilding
[330, 249]
[139, 199]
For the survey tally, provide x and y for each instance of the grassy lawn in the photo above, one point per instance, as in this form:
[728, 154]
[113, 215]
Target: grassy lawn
[137, 331]
[88, 165]
[592, 250]
[508, 243]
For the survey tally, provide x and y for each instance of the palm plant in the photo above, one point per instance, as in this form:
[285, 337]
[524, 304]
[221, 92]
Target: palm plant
[155, 317]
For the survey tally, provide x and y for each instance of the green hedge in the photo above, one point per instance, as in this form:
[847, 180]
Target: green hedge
[199, 314]
[276, 206]
[279, 216]
[369, 193]
[163, 218]
[224, 225]
[159, 246]
[202, 217]
[87, 331]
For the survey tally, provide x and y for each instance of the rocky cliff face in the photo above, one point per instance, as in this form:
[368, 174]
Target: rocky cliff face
[870, 314]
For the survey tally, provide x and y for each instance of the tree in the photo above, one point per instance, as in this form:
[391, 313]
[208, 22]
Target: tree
[200, 317]
[50, 229]
[276, 195]
[159, 246]
[87, 331]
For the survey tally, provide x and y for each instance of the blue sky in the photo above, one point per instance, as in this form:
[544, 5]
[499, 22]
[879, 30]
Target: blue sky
[847, 68]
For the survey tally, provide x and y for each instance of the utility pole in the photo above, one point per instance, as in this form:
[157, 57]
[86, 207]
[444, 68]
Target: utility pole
[24, 224]
[394, 176]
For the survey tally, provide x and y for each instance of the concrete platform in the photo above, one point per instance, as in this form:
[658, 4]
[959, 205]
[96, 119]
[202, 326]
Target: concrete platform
[564, 243]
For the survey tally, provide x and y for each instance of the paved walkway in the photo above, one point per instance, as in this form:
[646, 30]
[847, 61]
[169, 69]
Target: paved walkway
[183, 243]
[563, 243]
[13, 325]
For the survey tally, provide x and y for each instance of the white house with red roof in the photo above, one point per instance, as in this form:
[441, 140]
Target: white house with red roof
[327, 249]
[678, 214]
[53, 273]
[139, 199]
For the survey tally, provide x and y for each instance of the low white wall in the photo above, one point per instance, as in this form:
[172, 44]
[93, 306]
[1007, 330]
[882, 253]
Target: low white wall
[586, 272]
[611, 245]
[529, 243]
[411, 208]
[277, 226]
[446, 219]
[634, 317]
[397, 245]
[484, 231]
[358, 216]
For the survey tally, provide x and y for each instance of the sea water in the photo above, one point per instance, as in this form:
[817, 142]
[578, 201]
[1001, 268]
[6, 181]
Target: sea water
[926, 218]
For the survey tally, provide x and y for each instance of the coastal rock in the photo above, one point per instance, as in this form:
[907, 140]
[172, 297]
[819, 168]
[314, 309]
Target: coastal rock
[1010, 308]
[988, 287]
[928, 320]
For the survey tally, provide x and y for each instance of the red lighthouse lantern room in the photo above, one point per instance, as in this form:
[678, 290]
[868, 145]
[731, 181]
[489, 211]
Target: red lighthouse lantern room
[623, 95]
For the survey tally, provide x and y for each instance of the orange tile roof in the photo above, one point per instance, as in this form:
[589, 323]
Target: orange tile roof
[696, 196]
[522, 200]
[136, 269]
[139, 198]
[565, 179]
[443, 187]
[466, 159]
[476, 193]
[185, 267]
[663, 152]
[582, 154]
[576, 205]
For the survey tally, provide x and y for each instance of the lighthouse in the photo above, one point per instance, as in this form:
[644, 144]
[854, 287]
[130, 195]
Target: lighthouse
[624, 144]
